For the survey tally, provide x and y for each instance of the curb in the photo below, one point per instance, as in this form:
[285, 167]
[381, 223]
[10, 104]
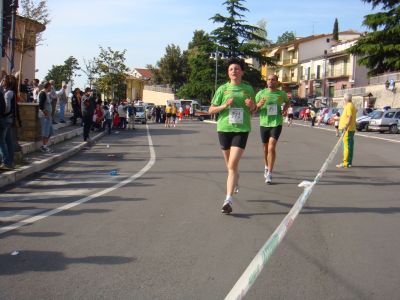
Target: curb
[15, 175]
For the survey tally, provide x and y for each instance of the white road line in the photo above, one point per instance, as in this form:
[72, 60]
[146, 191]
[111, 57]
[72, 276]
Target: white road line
[357, 134]
[49, 213]
[43, 195]
[69, 182]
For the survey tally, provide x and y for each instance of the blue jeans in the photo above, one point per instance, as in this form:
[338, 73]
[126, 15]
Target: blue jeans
[6, 142]
[62, 112]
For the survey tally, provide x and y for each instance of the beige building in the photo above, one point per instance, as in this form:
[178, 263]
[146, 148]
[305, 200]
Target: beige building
[135, 82]
[303, 65]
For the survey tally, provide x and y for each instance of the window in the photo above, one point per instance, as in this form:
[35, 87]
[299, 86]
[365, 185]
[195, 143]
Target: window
[318, 72]
[397, 116]
[328, 40]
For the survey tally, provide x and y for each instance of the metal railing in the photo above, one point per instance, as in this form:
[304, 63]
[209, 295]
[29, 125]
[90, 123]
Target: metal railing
[353, 91]
[383, 78]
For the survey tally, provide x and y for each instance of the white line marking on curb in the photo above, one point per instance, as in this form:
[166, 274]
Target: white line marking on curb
[357, 134]
[39, 217]
[251, 273]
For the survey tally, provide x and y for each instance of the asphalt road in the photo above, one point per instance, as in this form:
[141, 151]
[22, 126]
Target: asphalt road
[153, 229]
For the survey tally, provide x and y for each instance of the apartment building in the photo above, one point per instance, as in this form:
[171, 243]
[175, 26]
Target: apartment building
[316, 65]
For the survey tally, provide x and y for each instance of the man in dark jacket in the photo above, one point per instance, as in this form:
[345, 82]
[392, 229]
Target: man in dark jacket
[87, 107]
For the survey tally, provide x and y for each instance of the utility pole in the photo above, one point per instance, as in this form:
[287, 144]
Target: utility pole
[14, 7]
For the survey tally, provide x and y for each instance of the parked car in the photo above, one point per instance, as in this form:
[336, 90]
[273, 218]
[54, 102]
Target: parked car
[202, 113]
[140, 114]
[385, 120]
[362, 120]
[329, 113]
[331, 120]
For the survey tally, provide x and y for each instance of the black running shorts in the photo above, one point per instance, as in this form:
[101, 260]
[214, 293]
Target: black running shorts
[267, 132]
[232, 139]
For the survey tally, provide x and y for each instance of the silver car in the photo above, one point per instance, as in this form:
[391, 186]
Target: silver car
[385, 120]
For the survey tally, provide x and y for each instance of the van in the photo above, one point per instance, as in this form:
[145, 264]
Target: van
[385, 120]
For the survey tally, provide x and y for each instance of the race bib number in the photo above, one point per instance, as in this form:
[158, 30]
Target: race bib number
[272, 110]
[236, 116]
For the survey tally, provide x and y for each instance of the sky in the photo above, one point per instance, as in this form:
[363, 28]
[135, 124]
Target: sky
[145, 28]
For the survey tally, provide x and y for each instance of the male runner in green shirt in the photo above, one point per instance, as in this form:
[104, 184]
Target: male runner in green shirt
[269, 104]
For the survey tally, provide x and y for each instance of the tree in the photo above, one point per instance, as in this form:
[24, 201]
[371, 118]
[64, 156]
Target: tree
[37, 12]
[110, 71]
[71, 65]
[29, 38]
[335, 31]
[63, 73]
[379, 50]
[262, 32]
[286, 37]
[172, 68]
[236, 38]
[200, 81]
[58, 74]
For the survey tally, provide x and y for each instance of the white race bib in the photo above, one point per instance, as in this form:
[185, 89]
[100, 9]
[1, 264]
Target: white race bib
[272, 110]
[236, 116]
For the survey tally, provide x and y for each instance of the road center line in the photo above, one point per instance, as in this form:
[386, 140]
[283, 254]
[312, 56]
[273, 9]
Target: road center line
[49, 213]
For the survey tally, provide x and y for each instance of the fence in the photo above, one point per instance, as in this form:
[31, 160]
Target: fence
[383, 78]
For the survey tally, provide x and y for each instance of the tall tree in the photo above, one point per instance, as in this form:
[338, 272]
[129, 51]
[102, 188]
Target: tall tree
[335, 31]
[172, 68]
[63, 73]
[236, 38]
[71, 66]
[286, 37]
[58, 74]
[110, 71]
[379, 50]
[37, 11]
[200, 83]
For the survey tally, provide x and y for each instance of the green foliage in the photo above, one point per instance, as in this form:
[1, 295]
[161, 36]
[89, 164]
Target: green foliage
[201, 74]
[63, 73]
[335, 31]
[236, 38]
[58, 74]
[379, 50]
[286, 37]
[110, 73]
[171, 69]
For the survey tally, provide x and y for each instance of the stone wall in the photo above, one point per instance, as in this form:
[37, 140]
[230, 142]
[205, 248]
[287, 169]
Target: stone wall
[30, 130]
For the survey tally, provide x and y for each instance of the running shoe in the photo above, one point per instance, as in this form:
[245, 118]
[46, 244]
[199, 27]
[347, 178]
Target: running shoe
[45, 149]
[268, 178]
[227, 207]
[265, 173]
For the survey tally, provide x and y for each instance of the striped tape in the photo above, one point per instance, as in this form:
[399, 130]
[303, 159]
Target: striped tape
[251, 273]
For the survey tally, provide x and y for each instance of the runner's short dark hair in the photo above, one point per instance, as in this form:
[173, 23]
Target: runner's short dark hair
[235, 61]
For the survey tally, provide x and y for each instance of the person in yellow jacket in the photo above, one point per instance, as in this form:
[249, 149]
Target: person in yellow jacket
[173, 114]
[168, 111]
[347, 127]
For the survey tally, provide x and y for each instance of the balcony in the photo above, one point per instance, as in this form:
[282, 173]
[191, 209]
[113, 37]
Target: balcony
[289, 79]
[290, 61]
[337, 74]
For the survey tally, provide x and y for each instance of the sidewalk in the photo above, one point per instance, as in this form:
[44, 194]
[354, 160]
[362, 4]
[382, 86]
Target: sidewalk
[66, 142]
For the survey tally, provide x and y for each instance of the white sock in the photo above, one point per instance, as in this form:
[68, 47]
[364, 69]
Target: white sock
[228, 199]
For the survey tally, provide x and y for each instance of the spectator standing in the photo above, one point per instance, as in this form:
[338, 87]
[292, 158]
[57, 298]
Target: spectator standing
[87, 107]
[7, 120]
[313, 117]
[290, 114]
[76, 105]
[158, 114]
[62, 100]
[122, 112]
[46, 122]
[54, 99]
[35, 90]
[107, 118]
[336, 119]
[347, 127]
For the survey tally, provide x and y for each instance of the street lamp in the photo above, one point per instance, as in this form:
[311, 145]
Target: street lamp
[215, 55]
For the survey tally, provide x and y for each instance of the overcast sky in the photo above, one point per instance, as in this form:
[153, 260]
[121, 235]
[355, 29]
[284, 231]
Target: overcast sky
[145, 28]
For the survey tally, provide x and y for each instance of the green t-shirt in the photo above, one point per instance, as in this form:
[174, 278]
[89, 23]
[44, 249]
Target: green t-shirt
[237, 117]
[271, 111]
